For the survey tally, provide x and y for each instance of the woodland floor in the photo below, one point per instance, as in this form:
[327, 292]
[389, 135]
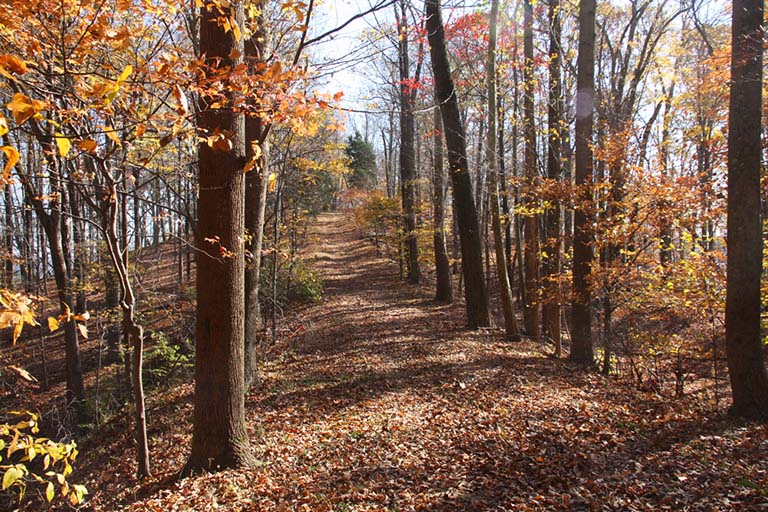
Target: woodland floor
[379, 399]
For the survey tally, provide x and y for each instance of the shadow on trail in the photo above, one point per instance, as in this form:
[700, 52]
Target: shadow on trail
[393, 405]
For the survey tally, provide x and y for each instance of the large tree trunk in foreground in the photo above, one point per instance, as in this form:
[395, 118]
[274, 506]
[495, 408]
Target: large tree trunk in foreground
[510, 322]
[581, 343]
[469, 233]
[746, 368]
[219, 436]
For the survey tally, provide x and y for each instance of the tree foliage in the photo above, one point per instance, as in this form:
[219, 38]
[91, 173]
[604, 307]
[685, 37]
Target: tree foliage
[362, 162]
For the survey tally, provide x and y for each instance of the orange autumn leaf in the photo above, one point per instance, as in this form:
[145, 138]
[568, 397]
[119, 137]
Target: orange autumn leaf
[13, 64]
[23, 107]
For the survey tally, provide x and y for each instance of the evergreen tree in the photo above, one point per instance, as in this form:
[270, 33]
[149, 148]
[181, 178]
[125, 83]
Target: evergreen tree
[363, 162]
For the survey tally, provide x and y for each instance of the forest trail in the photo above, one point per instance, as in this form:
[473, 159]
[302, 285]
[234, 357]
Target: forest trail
[381, 400]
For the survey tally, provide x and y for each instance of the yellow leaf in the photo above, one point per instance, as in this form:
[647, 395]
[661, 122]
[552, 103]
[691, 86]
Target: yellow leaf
[236, 31]
[67, 315]
[49, 492]
[11, 476]
[17, 330]
[272, 182]
[125, 74]
[80, 491]
[254, 161]
[63, 143]
[113, 135]
[8, 318]
[24, 107]
[250, 165]
[3, 125]
[111, 92]
[12, 157]
[24, 374]
[53, 324]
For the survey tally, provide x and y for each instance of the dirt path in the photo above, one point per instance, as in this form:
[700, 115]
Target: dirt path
[382, 401]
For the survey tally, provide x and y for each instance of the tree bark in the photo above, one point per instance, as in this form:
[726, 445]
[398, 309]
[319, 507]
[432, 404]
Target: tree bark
[111, 301]
[510, 322]
[551, 264]
[746, 368]
[255, 208]
[469, 233]
[8, 270]
[581, 343]
[407, 150]
[53, 228]
[219, 437]
[531, 312]
[444, 291]
[134, 330]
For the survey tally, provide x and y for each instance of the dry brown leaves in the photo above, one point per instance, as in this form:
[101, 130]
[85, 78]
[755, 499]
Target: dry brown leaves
[383, 402]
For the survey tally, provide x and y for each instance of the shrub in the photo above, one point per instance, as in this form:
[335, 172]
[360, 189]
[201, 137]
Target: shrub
[296, 282]
[164, 358]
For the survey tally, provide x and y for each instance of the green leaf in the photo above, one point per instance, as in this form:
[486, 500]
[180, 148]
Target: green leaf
[12, 475]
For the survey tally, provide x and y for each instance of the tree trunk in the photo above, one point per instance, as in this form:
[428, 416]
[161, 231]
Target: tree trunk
[134, 331]
[79, 253]
[581, 343]
[219, 437]
[75, 388]
[531, 313]
[505, 207]
[111, 301]
[255, 210]
[124, 255]
[8, 270]
[510, 322]
[551, 264]
[53, 228]
[30, 254]
[444, 292]
[407, 150]
[665, 252]
[746, 368]
[469, 233]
